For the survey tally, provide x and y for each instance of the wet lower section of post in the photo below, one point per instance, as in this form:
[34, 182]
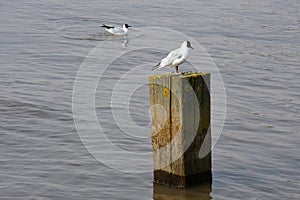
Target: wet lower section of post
[180, 110]
[200, 191]
[166, 178]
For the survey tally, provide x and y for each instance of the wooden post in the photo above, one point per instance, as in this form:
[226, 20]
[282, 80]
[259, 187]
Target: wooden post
[180, 108]
[200, 191]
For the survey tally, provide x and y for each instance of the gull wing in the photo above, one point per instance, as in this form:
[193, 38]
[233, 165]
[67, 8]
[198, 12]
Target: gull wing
[118, 29]
[171, 57]
[107, 26]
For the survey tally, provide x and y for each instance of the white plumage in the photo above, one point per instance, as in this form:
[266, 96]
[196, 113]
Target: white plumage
[175, 57]
[117, 30]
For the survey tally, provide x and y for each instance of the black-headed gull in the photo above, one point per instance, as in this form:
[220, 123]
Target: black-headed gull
[175, 57]
[117, 30]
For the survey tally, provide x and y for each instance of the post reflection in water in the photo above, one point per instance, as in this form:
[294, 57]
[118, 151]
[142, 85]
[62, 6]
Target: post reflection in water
[197, 192]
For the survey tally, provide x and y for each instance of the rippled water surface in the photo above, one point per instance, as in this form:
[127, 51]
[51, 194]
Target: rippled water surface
[255, 45]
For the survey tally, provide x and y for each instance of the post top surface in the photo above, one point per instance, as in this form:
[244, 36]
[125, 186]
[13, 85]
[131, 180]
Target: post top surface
[181, 75]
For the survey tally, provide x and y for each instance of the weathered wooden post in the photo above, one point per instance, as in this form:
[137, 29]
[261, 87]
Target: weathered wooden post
[180, 108]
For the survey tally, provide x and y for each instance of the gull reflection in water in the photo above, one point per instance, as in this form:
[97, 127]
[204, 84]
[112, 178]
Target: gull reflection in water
[123, 39]
[198, 192]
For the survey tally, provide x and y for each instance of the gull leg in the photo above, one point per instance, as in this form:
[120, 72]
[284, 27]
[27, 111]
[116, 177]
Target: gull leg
[177, 70]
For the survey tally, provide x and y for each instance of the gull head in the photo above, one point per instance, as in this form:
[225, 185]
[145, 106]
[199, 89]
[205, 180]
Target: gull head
[187, 44]
[126, 26]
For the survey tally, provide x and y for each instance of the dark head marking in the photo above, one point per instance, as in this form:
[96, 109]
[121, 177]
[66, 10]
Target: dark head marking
[188, 44]
[126, 25]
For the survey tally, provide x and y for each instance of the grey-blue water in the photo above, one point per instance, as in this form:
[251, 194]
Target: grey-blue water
[255, 45]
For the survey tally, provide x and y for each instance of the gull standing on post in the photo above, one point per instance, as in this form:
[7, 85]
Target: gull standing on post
[175, 57]
[117, 30]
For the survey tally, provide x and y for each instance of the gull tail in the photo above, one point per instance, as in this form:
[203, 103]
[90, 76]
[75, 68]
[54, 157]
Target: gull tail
[155, 67]
[105, 26]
